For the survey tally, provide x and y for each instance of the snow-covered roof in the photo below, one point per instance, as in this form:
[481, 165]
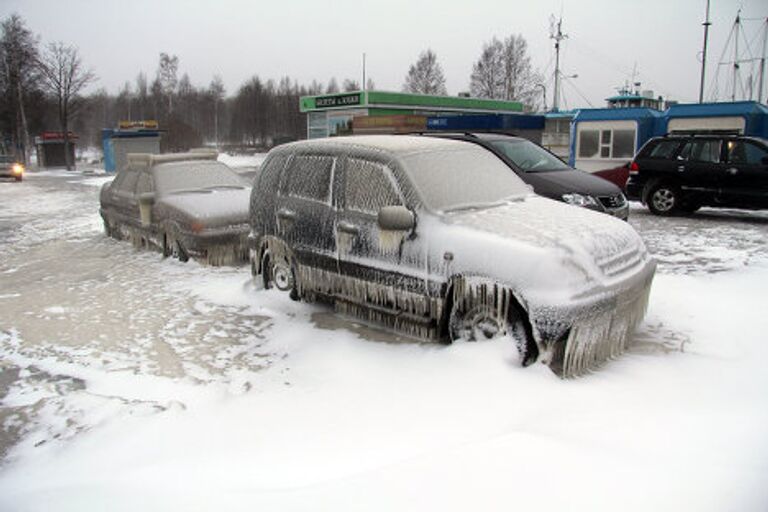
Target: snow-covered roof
[395, 144]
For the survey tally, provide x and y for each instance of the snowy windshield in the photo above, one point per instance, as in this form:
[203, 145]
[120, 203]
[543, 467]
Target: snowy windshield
[194, 175]
[462, 178]
[529, 157]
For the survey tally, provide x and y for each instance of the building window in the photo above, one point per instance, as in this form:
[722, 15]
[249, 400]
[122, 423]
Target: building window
[606, 144]
[623, 144]
[588, 143]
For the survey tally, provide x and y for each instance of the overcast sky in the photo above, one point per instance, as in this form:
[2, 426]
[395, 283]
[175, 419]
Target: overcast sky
[320, 39]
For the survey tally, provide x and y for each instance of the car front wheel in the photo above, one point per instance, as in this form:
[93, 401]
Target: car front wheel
[663, 199]
[484, 322]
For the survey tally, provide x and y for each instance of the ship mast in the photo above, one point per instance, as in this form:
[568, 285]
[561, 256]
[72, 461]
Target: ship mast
[557, 36]
[706, 24]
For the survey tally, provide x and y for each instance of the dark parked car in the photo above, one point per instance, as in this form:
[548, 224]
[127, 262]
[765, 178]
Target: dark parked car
[548, 175]
[680, 174]
[186, 204]
[438, 239]
[11, 168]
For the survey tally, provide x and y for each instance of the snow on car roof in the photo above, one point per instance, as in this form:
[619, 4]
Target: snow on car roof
[396, 144]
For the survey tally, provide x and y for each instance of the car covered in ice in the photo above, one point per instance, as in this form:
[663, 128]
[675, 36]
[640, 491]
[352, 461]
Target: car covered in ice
[185, 204]
[10, 167]
[547, 174]
[437, 239]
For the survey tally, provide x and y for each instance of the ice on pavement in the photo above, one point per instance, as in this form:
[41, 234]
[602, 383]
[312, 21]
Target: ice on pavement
[132, 382]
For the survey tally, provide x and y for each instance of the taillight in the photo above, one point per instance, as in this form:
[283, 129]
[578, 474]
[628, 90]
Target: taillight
[634, 168]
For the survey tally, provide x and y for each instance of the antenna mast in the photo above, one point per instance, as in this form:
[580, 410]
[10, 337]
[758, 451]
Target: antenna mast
[704, 55]
[557, 36]
[736, 25]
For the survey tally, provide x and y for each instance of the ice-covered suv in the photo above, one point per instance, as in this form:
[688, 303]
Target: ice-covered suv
[438, 239]
[680, 174]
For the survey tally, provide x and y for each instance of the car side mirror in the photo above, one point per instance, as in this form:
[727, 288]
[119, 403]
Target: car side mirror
[146, 201]
[396, 218]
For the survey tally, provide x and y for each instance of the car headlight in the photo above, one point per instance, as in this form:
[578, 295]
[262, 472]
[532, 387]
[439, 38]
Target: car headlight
[18, 169]
[580, 200]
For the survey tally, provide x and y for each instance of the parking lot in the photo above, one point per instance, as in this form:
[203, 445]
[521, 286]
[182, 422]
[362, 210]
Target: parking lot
[121, 371]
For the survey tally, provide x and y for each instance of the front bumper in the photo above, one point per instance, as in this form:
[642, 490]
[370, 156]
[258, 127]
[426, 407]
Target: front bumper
[601, 326]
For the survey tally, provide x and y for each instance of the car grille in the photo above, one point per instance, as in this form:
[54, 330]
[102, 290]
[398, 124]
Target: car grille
[616, 201]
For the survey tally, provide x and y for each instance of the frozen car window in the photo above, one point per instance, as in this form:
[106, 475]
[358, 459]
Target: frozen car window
[309, 176]
[145, 183]
[462, 178]
[528, 156]
[128, 184]
[368, 186]
[6, 159]
[194, 175]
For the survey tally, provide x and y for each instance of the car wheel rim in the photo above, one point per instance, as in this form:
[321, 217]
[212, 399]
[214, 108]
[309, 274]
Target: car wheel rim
[663, 199]
[479, 324]
[282, 277]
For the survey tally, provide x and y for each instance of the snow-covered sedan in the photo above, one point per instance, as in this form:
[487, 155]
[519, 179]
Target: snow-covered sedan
[437, 239]
[186, 204]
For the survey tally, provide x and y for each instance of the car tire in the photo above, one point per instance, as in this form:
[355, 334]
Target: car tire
[663, 199]
[279, 274]
[482, 322]
[172, 247]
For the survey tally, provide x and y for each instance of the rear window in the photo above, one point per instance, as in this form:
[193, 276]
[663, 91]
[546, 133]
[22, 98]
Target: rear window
[664, 149]
[194, 175]
[462, 178]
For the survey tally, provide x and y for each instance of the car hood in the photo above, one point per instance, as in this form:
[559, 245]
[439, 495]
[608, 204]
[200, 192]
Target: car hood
[543, 241]
[556, 183]
[214, 208]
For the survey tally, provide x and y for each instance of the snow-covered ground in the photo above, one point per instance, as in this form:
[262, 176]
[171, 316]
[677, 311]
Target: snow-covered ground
[131, 382]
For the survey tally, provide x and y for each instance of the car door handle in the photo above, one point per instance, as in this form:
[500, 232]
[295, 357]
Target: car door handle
[732, 171]
[348, 227]
[286, 214]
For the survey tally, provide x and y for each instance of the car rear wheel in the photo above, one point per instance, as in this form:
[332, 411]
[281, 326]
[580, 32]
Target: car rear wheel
[279, 273]
[663, 199]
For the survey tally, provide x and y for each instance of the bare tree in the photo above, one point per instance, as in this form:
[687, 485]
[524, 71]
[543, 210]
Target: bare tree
[216, 90]
[142, 95]
[504, 72]
[63, 76]
[18, 48]
[166, 76]
[426, 76]
[350, 85]
[333, 86]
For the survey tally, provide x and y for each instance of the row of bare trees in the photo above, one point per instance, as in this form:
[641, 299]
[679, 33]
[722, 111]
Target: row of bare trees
[42, 90]
[503, 71]
[53, 76]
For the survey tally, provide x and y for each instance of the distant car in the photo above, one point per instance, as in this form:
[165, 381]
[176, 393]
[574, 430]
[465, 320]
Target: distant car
[186, 204]
[548, 175]
[680, 174]
[10, 167]
[436, 238]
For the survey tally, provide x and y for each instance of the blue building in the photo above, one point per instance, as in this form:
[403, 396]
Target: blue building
[130, 137]
[604, 140]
